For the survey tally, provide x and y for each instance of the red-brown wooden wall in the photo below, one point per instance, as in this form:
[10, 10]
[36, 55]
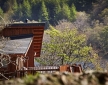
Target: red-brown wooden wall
[37, 29]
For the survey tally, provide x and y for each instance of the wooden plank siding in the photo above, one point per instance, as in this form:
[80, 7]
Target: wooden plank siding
[37, 32]
[37, 29]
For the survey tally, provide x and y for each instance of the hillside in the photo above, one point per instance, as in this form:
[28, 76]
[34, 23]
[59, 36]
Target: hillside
[51, 11]
[77, 29]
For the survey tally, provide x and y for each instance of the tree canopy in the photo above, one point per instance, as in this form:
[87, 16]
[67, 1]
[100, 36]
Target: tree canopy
[66, 47]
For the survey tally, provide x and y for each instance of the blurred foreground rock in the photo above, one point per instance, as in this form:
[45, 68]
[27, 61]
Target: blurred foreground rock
[87, 78]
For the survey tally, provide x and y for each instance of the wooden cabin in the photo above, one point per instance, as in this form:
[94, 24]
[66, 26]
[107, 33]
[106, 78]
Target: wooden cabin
[25, 40]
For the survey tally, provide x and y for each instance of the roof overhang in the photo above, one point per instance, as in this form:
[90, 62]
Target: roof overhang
[20, 29]
[18, 45]
[25, 25]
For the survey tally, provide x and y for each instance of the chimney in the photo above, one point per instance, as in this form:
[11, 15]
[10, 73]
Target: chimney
[26, 21]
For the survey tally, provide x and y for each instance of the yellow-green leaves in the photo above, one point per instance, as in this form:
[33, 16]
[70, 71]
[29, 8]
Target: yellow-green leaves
[84, 51]
[53, 32]
[66, 44]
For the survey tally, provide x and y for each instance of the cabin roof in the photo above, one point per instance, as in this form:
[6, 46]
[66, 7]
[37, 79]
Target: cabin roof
[25, 24]
[17, 44]
[19, 29]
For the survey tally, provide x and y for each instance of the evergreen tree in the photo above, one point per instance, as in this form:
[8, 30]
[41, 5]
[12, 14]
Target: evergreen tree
[57, 11]
[65, 12]
[26, 9]
[15, 8]
[73, 12]
[1, 12]
[32, 2]
[103, 41]
[51, 4]
[35, 8]
[6, 6]
[43, 13]
[19, 12]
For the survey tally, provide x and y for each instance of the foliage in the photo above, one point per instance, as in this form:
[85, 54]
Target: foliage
[57, 12]
[26, 9]
[73, 12]
[19, 12]
[43, 15]
[1, 12]
[82, 5]
[104, 16]
[54, 10]
[40, 10]
[65, 12]
[103, 40]
[29, 79]
[98, 8]
[97, 37]
[6, 6]
[66, 47]
[15, 5]
[82, 21]
[14, 8]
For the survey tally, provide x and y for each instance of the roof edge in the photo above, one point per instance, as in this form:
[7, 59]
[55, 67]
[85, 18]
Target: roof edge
[26, 24]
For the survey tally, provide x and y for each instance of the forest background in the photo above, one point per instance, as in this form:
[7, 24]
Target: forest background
[77, 30]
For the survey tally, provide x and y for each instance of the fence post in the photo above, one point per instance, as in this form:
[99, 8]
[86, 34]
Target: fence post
[63, 68]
